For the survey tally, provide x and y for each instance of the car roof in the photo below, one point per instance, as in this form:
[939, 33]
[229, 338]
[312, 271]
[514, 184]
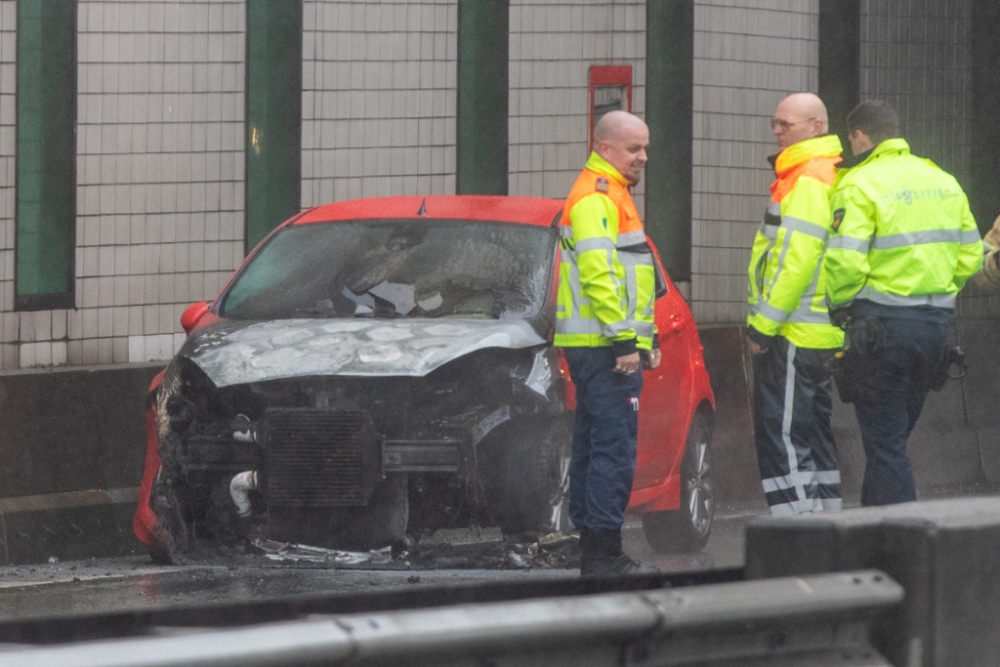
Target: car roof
[524, 210]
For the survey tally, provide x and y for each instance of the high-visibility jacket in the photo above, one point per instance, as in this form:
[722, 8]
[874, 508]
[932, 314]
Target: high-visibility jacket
[787, 282]
[607, 280]
[902, 233]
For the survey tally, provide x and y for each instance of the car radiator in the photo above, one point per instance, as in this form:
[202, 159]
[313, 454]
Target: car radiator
[320, 458]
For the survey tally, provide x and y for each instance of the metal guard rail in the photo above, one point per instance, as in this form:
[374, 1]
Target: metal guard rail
[813, 620]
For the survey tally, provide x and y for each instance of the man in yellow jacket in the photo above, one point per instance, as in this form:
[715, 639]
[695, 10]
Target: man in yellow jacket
[902, 245]
[605, 325]
[789, 328]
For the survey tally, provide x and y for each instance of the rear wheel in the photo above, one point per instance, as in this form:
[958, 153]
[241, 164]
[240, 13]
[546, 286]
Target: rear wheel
[686, 529]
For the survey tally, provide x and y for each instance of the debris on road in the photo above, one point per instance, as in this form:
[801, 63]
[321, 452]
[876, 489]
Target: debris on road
[296, 553]
[551, 551]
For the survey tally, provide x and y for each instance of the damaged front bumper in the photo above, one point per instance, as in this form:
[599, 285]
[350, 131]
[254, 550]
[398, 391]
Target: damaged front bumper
[324, 446]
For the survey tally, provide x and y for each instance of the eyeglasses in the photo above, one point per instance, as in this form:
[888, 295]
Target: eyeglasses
[787, 124]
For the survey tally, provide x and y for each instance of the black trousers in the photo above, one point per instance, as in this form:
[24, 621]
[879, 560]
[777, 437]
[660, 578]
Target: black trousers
[792, 405]
[900, 377]
[605, 428]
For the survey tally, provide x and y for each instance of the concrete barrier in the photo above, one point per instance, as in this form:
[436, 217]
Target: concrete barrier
[945, 554]
[71, 457]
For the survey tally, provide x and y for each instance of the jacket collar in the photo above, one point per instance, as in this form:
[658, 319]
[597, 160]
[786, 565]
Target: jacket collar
[897, 146]
[601, 166]
[827, 145]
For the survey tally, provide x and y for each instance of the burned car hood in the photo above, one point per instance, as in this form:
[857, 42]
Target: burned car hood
[239, 352]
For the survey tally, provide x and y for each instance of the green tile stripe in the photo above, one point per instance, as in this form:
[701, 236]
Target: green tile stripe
[669, 114]
[483, 35]
[274, 115]
[46, 154]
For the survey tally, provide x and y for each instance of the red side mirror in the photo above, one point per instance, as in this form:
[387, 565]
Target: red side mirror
[192, 314]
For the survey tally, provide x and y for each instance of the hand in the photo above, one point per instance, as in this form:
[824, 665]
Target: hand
[627, 364]
[757, 348]
[840, 317]
[651, 359]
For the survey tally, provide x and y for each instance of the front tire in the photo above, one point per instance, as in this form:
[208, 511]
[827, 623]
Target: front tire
[686, 530]
[532, 494]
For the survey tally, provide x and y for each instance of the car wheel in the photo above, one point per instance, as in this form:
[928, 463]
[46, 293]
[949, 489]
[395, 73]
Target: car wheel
[170, 514]
[533, 493]
[686, 529]
[179, 509]
[553, 460]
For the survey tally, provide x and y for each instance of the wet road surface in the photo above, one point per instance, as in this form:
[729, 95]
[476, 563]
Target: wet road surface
[103, 585]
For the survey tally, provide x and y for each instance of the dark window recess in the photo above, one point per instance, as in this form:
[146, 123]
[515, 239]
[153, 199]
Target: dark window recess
[483, 33]
[840, 63]
[274, 115]
[984, 188]
[610, 90]
[45, 212]
[669, 114]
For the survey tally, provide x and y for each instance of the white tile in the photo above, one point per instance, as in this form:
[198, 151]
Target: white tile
[28, 352]
[58, 353]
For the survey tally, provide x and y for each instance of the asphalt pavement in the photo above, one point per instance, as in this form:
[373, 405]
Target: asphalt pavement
[121, 584]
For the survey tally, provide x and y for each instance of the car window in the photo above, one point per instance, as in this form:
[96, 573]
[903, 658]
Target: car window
[396, 268]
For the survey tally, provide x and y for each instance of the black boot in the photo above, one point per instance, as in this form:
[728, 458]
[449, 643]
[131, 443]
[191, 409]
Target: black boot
[601, 555]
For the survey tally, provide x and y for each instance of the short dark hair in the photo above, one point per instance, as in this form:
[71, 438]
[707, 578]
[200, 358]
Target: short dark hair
[876, 119]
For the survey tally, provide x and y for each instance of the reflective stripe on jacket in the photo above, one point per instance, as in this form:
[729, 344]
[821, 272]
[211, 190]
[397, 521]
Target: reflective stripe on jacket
[786, 278]
[902, 232]
[607, 280]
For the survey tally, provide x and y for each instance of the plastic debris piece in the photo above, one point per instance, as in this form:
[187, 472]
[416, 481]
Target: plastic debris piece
[286, 552]
[519, 561]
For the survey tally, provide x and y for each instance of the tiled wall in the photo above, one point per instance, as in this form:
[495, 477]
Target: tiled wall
[749, 54]
[552, 45]
[160, 170]
[8, 83]
[161, 152]
[159, 179]
[916, 55]
[378, 105]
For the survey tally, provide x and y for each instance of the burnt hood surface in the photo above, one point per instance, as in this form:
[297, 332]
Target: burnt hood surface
[233, 353]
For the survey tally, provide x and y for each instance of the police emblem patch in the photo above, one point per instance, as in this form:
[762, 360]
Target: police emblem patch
[838, 217]
[602, 184]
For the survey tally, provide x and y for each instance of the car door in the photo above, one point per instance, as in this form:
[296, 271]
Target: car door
[664, 405]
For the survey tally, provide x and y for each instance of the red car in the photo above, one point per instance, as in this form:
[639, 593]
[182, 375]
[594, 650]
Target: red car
[381, 368]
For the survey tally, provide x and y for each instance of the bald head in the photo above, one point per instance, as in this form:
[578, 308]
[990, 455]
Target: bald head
[621, 138]
[799, 116]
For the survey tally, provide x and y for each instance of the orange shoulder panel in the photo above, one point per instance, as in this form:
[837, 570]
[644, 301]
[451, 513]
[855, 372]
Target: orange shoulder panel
[587, 183]
[823, 169]
[820, 168]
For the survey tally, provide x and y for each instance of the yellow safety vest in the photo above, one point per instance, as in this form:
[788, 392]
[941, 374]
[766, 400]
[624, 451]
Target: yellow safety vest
[786, 277]
[902, 233]
[607, 280]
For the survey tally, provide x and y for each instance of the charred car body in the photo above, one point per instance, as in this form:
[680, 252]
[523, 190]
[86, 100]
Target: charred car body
[379, 369]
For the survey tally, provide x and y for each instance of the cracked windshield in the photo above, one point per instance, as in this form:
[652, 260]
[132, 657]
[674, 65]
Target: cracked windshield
[397, 268]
